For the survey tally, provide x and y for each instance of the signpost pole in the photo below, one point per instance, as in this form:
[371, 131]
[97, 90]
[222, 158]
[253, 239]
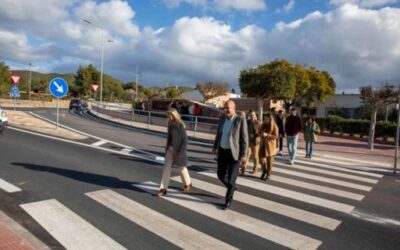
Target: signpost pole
[58, 102]
[15, 103]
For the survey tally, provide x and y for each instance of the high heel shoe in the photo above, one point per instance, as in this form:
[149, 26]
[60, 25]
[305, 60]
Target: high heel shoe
[187, 188]
[162, 192]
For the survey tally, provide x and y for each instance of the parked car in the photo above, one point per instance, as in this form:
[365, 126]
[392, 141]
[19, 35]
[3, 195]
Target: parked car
[3, 120]
[78, 104]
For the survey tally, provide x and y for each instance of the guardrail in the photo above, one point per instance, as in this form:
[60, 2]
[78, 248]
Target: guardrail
[194, 123]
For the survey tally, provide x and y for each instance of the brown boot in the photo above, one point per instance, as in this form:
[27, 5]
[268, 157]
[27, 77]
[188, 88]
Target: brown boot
[162, 192]
[255, 170]
[242, 171]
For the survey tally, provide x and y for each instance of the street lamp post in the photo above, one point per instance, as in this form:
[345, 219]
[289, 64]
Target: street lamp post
[102, 57]
[30, 80]
[138, 74]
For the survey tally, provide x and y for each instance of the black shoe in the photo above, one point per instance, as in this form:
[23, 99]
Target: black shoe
[227, 205]
[263, 175]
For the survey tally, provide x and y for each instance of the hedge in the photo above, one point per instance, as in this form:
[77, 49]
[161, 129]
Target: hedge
[337, 124]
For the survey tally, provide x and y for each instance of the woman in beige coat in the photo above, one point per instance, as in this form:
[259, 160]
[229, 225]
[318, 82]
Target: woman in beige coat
[269, 132]
[175, 152]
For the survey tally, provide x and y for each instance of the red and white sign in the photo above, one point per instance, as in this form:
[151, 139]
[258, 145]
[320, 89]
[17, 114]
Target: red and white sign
[95, 87]
[15, 79]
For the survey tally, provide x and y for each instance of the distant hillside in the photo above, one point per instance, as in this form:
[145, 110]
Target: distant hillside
[46, 77]
[37, 77]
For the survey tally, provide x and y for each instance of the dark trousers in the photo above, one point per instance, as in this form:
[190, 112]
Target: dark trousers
[228, 170]
[280, 142]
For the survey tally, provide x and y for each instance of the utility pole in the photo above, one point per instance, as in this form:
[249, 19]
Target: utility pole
[137, 82]
[30, 80]
[397, 136]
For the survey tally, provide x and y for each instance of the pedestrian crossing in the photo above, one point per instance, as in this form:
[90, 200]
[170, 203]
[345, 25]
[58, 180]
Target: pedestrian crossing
[315, 197]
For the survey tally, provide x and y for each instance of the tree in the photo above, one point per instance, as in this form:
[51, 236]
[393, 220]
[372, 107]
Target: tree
[84, 77]
[172, 93]
[5, 82]
[322, 86]
[212, 89]
[272, 81]
[377, 99]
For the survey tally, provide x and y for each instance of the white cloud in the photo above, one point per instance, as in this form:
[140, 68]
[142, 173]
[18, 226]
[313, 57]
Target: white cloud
[358, 46]
[116, 16]
[289, 6]
[221, 5]
[363, 3]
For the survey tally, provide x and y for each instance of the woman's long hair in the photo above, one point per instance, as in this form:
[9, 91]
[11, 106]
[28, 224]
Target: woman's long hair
[268, 127]
[177, 117]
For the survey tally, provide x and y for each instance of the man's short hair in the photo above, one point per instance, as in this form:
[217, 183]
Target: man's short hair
[293, 109]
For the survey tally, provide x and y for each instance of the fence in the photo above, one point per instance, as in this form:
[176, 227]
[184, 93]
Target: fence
[196, 124]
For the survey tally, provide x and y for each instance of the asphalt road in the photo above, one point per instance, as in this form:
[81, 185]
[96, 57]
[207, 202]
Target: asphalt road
[50, 169]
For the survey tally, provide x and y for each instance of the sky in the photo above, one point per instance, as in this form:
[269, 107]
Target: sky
[182, 42]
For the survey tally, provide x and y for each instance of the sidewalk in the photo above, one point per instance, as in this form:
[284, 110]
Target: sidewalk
[327, 145]
[14, 237]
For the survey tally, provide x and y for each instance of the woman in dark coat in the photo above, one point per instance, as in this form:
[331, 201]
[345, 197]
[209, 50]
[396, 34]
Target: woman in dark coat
[175, 152]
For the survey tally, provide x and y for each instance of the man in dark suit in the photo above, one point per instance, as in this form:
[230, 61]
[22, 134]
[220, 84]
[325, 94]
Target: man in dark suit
[230, 145]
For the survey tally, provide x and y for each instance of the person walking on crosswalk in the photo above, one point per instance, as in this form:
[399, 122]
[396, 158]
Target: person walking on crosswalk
[230, 145]
[253, 127]
[175, 152]
[310, 134]
[292, 127]
[269, 133]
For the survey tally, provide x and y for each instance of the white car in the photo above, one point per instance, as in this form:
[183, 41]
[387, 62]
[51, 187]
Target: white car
[3, 120]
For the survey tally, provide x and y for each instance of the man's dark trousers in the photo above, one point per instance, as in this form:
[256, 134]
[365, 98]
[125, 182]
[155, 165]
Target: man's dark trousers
[228, 170]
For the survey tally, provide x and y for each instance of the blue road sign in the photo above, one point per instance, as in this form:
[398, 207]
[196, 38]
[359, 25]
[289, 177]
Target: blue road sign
[58, 87]
[14, 92]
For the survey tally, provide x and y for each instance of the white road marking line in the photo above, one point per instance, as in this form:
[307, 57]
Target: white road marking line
[126, 150]
[169, 229]
[314, 200]
[323, 179]
[375, 218]
[327, 172]
[99, 143]
[262, 229]
[275, 207]
[68, 228]
[85, 145]
[93, 136]
[8, 187]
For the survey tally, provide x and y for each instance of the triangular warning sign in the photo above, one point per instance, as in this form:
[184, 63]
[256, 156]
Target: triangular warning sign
[15, 79]
[95, 87]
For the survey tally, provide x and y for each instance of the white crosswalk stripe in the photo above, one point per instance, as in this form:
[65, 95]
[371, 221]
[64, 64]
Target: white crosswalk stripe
[329, 172]
[341, 207]
[8, 187]
[288, 211]
[165, 227]
[263, 229]
[323, 179]
[342, 169]
[68, 228]
[318, 188]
